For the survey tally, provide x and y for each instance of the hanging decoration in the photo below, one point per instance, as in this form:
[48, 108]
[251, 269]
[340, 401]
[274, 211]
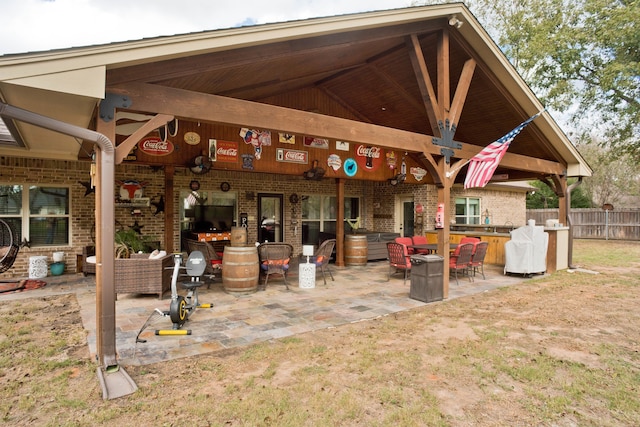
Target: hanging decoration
[350, 167]
[334, 162]
[257, 138]
[402, 176]
[157, 207]
[88, 187]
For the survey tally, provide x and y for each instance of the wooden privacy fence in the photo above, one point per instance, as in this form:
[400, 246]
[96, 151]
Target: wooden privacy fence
[596, 223]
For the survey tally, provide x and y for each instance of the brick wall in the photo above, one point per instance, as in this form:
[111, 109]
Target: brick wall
[377, 201]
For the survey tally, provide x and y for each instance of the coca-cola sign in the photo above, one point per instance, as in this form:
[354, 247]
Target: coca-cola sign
[292, 156]
[369, 157]
[154, 146]
[227, 151]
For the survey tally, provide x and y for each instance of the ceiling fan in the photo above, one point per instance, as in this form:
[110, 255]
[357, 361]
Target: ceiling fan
[398, 179]
[200, 165]
[315, 173]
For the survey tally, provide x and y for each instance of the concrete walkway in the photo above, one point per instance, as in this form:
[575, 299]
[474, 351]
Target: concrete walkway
[357, 294]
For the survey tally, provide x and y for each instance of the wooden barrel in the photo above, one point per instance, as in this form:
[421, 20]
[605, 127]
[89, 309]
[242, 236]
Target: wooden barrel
[355, 249]
[240, 269]
[238, 236]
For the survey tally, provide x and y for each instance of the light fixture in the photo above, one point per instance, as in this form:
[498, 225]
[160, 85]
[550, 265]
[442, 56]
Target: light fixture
[455, 22]
[307, 250]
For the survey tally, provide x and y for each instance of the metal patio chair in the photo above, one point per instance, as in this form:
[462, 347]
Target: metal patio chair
[398, 259]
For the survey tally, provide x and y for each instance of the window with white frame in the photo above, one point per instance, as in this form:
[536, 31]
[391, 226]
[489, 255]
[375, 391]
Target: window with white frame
[467, 210]
[39, 214]
[319, 214]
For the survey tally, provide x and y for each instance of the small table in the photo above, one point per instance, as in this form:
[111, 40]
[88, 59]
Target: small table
[431, 248]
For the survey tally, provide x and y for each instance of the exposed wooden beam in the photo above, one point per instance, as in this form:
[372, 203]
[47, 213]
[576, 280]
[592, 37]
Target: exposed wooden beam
[125, 147]
[461, 91]
[443, 74]
[424, 82]
[219, 109]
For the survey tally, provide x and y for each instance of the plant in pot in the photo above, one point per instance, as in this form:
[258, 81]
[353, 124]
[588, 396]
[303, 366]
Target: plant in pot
[128, 242]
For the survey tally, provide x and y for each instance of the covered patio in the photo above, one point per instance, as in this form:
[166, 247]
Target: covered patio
[357, 294]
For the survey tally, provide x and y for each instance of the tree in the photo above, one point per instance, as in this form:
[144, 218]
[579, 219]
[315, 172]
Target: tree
[544, 198]
[615, 176]
[581, 57]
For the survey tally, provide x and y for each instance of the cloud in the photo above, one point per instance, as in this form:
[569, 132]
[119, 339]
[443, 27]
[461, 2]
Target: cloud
[33, 25]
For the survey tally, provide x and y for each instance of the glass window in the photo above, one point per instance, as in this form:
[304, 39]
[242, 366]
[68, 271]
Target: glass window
[319, 215]
[467, 210]
[41, 214]
[11, 208]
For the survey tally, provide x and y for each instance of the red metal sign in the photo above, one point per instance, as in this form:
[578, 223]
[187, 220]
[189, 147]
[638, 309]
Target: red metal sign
[227, 152]
[369, 158]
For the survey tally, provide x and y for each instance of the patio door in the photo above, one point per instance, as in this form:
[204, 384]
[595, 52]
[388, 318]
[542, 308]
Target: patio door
[404, 217]
[270, 208]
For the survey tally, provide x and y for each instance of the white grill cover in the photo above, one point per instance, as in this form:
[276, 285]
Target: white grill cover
[526, 252]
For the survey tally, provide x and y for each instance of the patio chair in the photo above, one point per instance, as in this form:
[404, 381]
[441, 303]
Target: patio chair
[460, 259]
[420, 240]
[274, 259]
[406, 241]
[398, 259]
[472, 240]
[213, 260]
[477, 259]
[323, 256]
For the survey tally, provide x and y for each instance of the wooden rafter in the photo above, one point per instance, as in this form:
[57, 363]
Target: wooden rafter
[424, 82]
[219, 109]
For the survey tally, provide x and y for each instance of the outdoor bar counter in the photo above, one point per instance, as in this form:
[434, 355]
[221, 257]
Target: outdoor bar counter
[557, 251]
[495, 250]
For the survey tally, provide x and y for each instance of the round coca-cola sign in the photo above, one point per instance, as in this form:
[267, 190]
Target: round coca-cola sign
[369, 157]
[154, 146]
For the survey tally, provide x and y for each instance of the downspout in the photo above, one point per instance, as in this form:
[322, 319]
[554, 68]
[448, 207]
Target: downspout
[105, 298]
[568, 203]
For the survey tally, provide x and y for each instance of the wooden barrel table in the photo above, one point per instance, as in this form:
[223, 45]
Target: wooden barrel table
[355, 249]
[240, 269]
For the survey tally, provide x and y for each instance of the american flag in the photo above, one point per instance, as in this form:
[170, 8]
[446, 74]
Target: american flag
[484, 164]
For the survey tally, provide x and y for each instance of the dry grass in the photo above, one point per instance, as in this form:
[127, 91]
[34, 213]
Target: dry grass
[561, 350]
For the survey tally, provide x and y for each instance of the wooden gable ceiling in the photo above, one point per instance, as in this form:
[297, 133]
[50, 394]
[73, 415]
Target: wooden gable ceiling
[368, 73]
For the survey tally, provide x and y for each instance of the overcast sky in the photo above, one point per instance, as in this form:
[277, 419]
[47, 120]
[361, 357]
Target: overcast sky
[35, 25]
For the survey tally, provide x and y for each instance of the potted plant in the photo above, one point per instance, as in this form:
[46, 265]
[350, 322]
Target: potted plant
[128, 242]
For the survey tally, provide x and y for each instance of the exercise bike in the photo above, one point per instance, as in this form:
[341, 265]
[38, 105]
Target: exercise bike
[181, 307]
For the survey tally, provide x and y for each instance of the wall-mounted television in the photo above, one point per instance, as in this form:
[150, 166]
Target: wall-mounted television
[212, 218]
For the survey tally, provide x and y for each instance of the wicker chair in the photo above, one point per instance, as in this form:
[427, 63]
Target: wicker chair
[323, 256]
[88, 267]
[274, 259]
[141, 275]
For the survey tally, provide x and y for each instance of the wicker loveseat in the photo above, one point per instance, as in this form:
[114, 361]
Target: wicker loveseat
[139, 274]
